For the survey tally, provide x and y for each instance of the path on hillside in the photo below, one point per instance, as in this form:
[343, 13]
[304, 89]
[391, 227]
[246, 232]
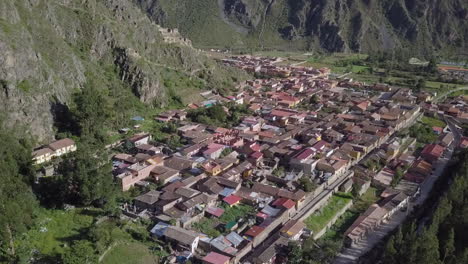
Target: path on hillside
[441, 96]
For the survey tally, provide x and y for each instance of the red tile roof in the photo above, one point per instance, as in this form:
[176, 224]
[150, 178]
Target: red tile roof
[215, 211]
[433, 149]
[254, 231]
[284, 202]
[232, 199]
[305, 154]
[216, 258]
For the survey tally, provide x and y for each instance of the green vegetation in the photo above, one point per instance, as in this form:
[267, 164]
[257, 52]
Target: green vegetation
[361, 204]
[236, 212]
[437, 234]
[54, 229]
[219, 115]
[207, 226]
[423, 133]
[433, 122]
[306, 184]
[17, 202]
[25, 86]
[130, 253]
[319, 220]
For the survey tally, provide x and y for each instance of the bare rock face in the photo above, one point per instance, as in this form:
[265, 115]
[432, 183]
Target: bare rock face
[330, 25]
[51, 49]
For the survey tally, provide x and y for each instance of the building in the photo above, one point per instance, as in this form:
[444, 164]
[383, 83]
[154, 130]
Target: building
[182, 238]
[216, 258]
[432, 152]
[293, 229]
[54, 149]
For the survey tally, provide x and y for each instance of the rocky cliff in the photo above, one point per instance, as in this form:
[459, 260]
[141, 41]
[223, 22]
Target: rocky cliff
[52, 48]
[330, 25]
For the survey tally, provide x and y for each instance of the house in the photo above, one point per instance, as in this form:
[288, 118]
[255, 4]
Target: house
[148, 149]
[54, 149]
[213, 151]
[384, 178]
[211, 168]
[432, 152]
[147, 201]
[254, 231]
[232, 200]
[159, 229]
[163, 174]
[335, 166]
[216, 258]
[268, 253]
[179, 164]
[214, 211]
[464, 142]
[374, 216]
[62, 147]
[235, 239]
[139, 139]
[42, 155]
[182, 237]
[446, 139]
[293, 229]
[135, 173]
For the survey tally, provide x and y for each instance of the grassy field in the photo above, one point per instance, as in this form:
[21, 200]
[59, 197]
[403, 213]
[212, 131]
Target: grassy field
[319, 220]
[57, 229]
[346, 220]
[130, 253]
[433, 122]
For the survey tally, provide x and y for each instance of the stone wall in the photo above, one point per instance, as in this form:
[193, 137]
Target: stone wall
[333, 221]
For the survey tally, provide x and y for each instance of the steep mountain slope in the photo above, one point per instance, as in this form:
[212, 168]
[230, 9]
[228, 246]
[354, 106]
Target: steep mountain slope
[331, 25]
[52, 48]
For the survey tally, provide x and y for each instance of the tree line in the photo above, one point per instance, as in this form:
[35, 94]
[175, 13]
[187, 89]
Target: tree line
[439, 235]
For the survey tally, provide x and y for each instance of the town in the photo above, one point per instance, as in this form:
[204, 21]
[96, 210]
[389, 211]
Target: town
[240, 192]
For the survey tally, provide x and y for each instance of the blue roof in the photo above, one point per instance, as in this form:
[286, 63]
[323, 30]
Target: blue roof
[137, 118]
[234, 238]
[159, 229]
[226, 192]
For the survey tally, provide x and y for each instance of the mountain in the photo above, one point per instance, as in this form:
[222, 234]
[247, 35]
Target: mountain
[329, 25]
[51, 49]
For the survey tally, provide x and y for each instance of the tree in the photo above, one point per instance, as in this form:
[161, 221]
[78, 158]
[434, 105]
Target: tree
[449, 246]
[432, 65]
[390, 254]
[398, 176]
[314, 99]
[420, 84]
[306, 184]
[87, 178]
[17, 201]
[294, 253]
[92, 111]
[81, 252]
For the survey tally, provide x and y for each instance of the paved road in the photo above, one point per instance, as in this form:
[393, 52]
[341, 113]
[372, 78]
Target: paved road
[351, 255]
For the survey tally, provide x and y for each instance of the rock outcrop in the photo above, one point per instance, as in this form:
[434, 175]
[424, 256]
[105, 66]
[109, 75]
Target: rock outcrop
[52, 48]
[329, 25]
